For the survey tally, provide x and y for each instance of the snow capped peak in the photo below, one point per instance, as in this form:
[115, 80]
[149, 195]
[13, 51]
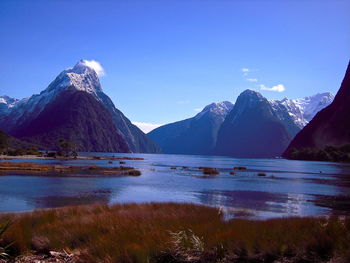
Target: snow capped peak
[218, 106]
[6, 104]
[220, 109]
[9, 102]
[302, 110]
[81, 67]
[88, 65]
[82, 77]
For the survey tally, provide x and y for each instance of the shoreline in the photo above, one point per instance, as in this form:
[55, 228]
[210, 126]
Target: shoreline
[36, 168]
[97, 157]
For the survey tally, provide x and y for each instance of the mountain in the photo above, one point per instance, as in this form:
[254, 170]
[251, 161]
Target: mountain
[252, 114]
[195, 135]
[9, 142]
[255, 128]
[6, 103]
[23, 114]
[77, 117]
[304, 109]
[330, 127]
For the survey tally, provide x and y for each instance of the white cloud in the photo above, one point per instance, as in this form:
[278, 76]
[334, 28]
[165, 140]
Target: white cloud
[245, 71]
[95, 65]
[198, 109]
[183, 101]
[146, 127]
[252, 80]
[278, 88]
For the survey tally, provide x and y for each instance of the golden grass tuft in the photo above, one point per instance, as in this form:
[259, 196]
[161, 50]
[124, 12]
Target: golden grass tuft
[171, 232]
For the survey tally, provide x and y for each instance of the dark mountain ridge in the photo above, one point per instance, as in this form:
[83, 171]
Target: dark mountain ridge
[77, 117]
[330, 127]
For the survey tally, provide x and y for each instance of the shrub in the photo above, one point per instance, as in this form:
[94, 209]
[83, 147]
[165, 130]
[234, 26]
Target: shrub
[134, 173]
[328, 153]
[210, 171]
[240, 168]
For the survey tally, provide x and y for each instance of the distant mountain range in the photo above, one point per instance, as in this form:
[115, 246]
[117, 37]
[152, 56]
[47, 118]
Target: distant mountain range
[304, 109]
[253, 127]
[196, 135]
[330, 127]
[73, 107]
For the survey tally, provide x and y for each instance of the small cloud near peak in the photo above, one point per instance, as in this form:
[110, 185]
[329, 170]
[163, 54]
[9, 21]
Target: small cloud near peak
[276, 88]
[95, 65]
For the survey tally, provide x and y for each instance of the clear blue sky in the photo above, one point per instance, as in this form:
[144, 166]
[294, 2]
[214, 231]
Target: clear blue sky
[166, 59]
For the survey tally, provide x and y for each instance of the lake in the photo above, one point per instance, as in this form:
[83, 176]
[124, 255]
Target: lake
[290, 188]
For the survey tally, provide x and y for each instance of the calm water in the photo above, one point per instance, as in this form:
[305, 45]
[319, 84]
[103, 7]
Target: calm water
[290, 188]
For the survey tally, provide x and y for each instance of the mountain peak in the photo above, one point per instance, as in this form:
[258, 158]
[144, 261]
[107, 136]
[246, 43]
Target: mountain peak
[249, 98]
[250, 92]
[82, 77]
[220, 109]
[218, 105]
[82, 67]
[8, 101]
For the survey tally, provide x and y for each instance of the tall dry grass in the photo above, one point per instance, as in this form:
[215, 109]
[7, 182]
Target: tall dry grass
[175, 233]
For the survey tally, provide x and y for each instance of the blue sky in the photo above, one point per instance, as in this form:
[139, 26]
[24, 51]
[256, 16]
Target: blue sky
[165, 60]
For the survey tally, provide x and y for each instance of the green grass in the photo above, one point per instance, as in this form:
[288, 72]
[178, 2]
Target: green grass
[174, 233]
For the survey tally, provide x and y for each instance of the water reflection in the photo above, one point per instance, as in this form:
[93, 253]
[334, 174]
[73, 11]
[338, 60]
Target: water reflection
[290, 188]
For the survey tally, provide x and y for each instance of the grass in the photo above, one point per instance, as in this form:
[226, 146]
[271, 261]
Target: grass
[3, 245]
[27, 167]
[172, 232]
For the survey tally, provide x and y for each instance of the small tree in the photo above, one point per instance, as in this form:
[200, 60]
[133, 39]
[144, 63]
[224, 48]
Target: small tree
[69, 148]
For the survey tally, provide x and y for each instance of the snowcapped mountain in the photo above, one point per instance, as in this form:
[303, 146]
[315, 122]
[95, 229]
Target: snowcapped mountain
[255, 128]
[304, 109]
[6, 103]
[80, 78]
[219, 109]
[196, 135]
